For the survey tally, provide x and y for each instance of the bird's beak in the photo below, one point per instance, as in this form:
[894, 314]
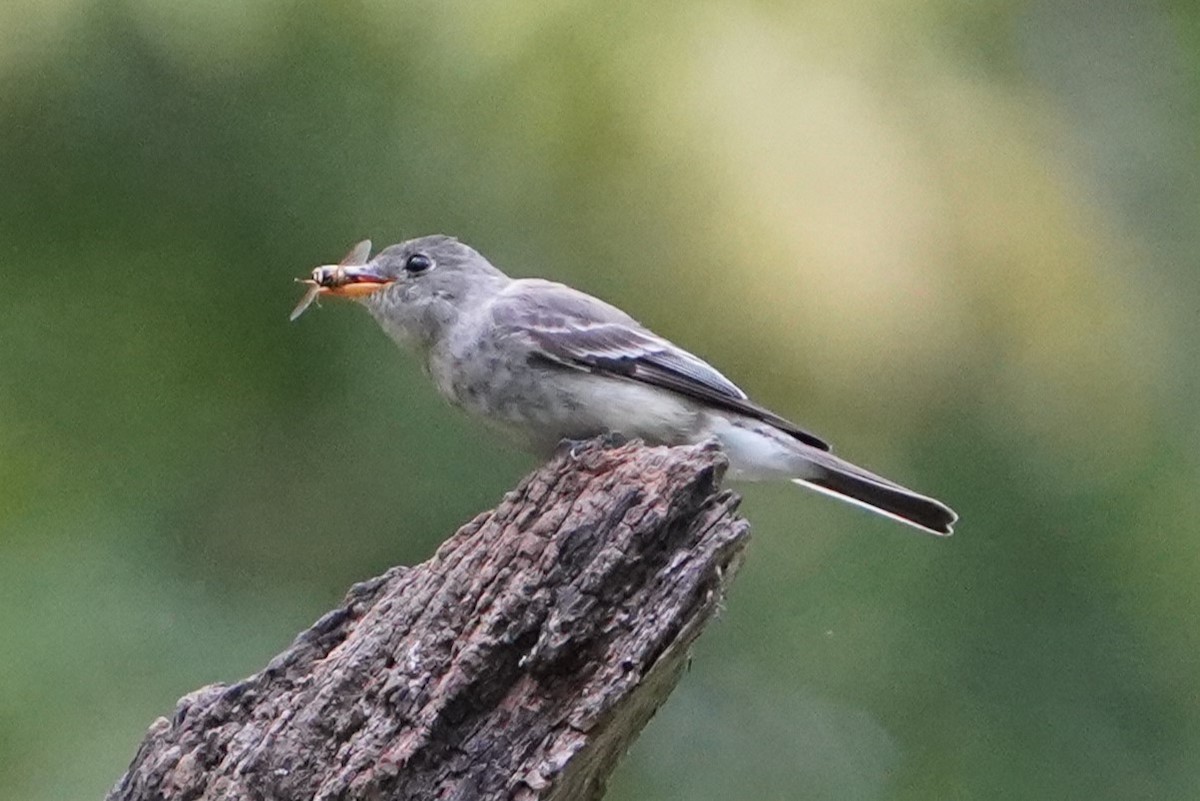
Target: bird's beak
[349, 281]
[340, 280]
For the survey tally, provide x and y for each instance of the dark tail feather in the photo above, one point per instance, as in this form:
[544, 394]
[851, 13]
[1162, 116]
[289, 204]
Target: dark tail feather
[882, 497]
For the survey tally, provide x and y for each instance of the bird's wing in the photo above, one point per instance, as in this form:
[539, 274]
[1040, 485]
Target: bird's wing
[576, 330]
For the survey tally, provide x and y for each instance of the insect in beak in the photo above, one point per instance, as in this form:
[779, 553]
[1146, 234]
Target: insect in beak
[344, 279]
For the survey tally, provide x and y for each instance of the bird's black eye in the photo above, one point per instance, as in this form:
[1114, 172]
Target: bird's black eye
[417, 263]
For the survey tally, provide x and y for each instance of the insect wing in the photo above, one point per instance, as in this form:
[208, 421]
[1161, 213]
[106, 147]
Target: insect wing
[314, 289]
[359, 254]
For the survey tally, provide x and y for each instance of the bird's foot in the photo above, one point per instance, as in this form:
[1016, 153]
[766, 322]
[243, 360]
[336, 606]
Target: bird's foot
[573, 447]
[613, 439]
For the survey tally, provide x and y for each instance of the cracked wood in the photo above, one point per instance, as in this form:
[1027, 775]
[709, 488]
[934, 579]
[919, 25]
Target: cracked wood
[519, 662]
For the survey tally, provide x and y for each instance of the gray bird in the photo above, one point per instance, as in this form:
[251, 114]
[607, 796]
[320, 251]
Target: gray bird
[542, 363]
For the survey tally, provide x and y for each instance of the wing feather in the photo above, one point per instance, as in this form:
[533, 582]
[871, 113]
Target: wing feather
[579, 331]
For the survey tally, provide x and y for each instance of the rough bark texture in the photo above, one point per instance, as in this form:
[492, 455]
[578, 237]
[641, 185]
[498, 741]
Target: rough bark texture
[517, 663]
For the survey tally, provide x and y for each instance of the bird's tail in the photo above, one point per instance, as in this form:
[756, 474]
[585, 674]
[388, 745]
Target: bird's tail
[840, 479]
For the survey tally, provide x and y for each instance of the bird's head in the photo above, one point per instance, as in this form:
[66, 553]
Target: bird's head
[414, 288]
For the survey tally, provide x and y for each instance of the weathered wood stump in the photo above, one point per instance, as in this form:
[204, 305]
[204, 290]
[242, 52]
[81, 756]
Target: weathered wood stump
[519, 662]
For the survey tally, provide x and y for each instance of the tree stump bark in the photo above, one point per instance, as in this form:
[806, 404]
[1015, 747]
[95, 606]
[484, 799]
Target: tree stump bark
[519, 662]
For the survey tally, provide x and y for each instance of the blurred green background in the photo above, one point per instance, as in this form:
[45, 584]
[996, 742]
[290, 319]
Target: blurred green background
[957, 239]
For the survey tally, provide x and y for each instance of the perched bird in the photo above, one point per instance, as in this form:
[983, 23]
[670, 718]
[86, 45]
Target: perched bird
[542, 363]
